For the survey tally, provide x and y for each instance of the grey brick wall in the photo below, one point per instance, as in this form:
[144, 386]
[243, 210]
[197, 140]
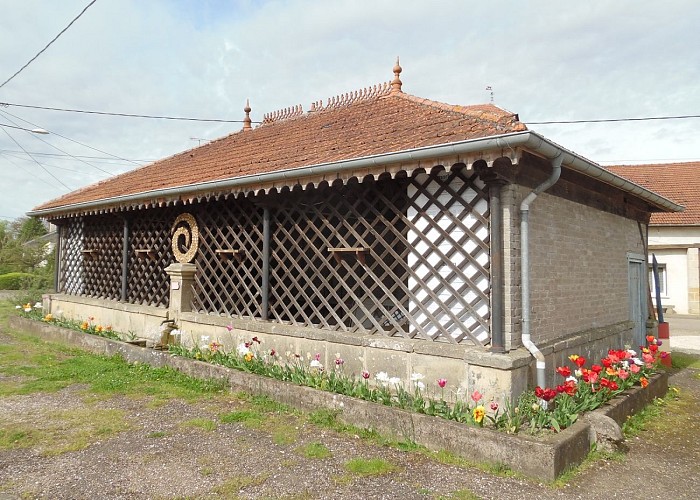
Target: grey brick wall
[578, 266]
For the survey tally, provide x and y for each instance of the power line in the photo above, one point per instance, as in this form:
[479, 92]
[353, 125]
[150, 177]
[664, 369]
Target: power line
[36, 130]
[220, 120]
[99, 159]
[609, 120]
[49, 44]
[59, 149]
[35, 160]
[650, 160]
[8, 157]
[30, 173]
[71, 140]
[128, 115]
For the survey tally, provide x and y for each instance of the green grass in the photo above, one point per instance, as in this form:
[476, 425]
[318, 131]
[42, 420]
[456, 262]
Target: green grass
[370, 466]
[448, 458]
[200, 423]
[265, 404]
[283, 433]
[46, 367]
[659, 411]
[233, 486]
[591, 460]
[681, 360]
[63, 431]
[315, 451]
[250, 418]
[325, 418]
[157, 434]
[462, 494]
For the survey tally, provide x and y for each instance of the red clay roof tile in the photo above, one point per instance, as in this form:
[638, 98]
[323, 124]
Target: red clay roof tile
[369, 124]
[679, 182]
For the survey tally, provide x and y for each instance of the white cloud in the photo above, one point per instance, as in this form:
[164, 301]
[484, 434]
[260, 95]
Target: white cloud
[546, 60]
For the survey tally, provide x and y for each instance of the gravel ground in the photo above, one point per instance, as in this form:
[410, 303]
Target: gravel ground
[159, 456]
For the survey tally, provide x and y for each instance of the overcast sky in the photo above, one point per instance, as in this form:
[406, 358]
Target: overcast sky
[546, 60]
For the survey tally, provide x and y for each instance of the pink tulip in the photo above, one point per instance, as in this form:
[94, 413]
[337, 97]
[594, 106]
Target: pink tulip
[442, 382]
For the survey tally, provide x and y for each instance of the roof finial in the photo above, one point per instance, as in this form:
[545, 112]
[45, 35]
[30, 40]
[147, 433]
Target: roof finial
[246, 121]
[396, 82]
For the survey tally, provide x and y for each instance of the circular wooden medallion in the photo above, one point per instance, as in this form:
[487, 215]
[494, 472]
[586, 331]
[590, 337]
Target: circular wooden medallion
[185, 238]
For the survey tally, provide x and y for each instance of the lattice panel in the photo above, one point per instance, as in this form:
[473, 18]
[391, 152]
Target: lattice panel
[406, 257]
[229, 261]
[449, 257]
[71, 280]
[102, 256]
[309, 287]
[150, 253]
[424, 243]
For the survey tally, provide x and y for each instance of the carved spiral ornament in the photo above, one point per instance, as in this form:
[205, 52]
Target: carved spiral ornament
[185, 238]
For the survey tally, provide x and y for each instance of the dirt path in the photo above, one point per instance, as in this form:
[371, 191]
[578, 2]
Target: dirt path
[137, 449]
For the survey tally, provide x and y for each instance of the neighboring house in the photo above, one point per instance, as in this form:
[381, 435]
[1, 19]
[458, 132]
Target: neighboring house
[381, 226]
[673, 237]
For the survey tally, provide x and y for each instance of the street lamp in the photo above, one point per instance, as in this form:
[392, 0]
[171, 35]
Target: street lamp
[32, 130]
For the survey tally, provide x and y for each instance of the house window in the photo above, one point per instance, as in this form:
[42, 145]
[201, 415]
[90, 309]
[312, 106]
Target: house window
[662, 280]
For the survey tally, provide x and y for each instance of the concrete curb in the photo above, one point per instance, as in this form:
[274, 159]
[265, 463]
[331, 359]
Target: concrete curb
[541, 458]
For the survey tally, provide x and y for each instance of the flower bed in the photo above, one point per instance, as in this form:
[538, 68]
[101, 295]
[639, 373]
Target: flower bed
[540, 410]
[543, 457]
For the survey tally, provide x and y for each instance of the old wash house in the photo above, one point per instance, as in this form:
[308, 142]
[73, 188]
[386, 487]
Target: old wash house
[404, 234]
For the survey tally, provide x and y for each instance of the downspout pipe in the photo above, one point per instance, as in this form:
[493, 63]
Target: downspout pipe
[525, 266]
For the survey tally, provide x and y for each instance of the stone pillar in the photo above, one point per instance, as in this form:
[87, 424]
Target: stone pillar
[694, 281]
[181, 281]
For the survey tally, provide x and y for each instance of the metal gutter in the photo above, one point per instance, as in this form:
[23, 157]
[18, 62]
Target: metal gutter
[525, 268]
[528, 140]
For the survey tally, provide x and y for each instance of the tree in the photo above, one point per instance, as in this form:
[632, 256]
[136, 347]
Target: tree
[20, 251]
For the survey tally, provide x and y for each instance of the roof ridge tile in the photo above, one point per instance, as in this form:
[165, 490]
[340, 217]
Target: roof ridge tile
[283, 114]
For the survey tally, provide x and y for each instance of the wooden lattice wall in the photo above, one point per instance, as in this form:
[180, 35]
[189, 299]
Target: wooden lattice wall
[403, 257]
[71, 276]
[406, 257]
[360, 283]
[150, 253]
[102, 254]
[92, 252]
[229, 260]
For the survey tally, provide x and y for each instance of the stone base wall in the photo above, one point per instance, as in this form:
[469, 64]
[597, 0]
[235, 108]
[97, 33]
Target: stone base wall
[142, 321]
[592, 344]
[500, 377]
[467, 368]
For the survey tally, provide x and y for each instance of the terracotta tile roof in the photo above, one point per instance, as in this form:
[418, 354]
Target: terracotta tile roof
[679, 182]
[359, 124]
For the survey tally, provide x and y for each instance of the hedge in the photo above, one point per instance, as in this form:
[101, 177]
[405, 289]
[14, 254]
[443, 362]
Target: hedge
[21, 281]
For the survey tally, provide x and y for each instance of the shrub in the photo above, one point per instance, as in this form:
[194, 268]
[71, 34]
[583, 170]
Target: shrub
[21, 281]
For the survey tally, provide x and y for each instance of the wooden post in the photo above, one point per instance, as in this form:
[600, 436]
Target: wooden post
[266, 265]
[57, 262]
[125, 260]
[495, 183]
